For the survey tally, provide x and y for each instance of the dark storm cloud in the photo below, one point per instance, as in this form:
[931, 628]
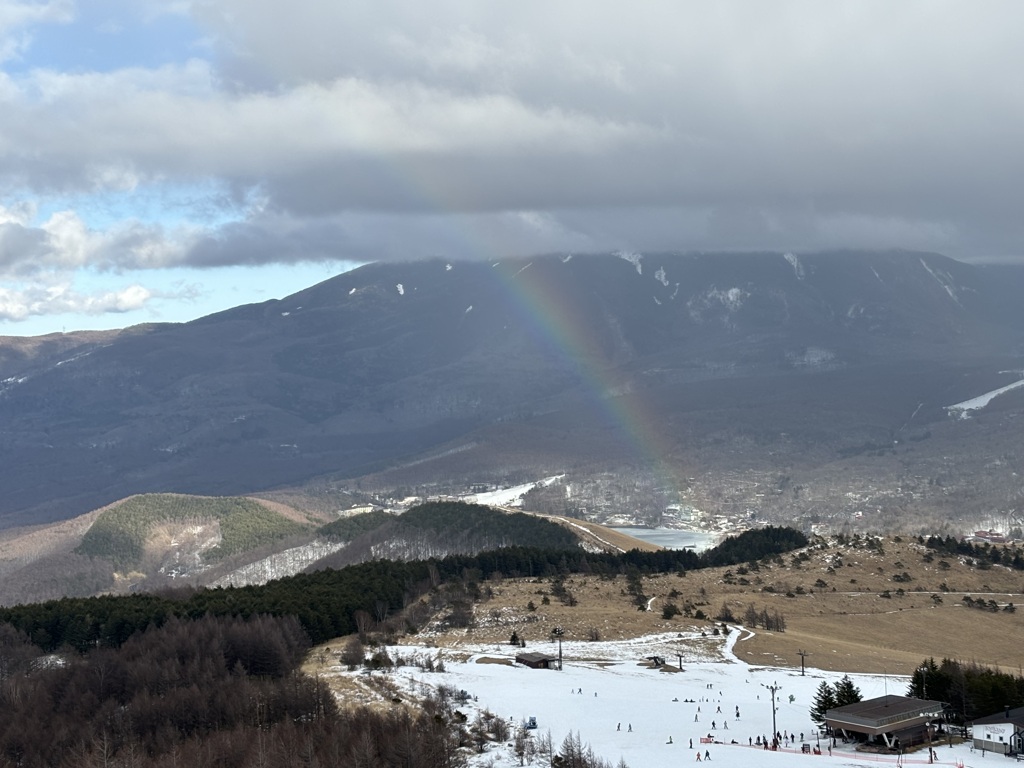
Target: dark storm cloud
[393, 129]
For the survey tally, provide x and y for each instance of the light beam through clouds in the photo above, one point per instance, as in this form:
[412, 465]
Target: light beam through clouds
[146, 145]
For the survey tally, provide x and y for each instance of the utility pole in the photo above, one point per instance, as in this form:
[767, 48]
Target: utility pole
[774, 688]
[924, 681]
[802, 655]
[558, 632]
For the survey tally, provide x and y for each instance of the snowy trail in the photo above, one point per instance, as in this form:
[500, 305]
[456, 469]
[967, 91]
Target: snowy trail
[750, 634]
[591, 534]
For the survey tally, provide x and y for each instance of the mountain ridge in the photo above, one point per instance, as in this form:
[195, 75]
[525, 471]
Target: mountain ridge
[391, 363]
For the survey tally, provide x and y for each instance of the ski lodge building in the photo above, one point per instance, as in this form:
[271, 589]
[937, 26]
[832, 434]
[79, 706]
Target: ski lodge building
[537, 660]
[896, 721]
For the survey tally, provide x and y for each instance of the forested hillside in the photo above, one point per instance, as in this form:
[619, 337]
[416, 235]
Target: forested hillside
[326, 602]
[438, 529]
[202, 692]
[348, 528]
[156, 541]
[120, 533]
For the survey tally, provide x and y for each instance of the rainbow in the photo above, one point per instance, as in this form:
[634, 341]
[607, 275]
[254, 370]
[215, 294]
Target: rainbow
[558, 325]
[559, 322]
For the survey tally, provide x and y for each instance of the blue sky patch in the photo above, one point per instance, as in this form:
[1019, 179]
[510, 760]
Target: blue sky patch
[107, 35]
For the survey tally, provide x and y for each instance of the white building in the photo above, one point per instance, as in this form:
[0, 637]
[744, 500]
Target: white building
[1002, 732]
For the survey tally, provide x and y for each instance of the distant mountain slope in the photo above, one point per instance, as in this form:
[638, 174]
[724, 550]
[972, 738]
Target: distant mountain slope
[219, 527]
[144, 542]
[23, 356]
[152, 541]
[387, 365]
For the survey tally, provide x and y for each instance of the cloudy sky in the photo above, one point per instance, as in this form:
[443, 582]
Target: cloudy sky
[162, 159]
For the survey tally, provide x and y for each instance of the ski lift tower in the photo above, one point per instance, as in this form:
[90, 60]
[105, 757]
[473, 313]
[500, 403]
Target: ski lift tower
[558, 633]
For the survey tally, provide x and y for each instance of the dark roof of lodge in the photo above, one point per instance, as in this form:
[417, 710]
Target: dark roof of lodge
[1015, 716]
[886, 713]
[534, 657]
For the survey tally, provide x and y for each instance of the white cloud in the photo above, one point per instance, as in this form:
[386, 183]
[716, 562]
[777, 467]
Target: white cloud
[682, 105]
[63, 242]
[169, 123]
[17, 13]
[19, 304]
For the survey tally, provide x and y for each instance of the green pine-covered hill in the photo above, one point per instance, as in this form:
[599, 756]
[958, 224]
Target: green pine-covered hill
[438, 529]
[348, 528]
[474, 521]
[121, 532]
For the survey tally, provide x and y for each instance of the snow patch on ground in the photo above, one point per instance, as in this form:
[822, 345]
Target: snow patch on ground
[277, 566]
[401, 289]
[12, 382]
[731, 299]
[812, 357]
[945, 283]
[510, 497]
[72, 359]
[633, 258]
[661, 277]
[963, 409]
[794, 262]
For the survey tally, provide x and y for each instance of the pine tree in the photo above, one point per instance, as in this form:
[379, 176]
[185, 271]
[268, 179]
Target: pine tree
[824, 700]
[847, 692]
[927, 679]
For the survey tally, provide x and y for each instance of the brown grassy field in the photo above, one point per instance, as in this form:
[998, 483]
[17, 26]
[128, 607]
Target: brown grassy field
[835, 612]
